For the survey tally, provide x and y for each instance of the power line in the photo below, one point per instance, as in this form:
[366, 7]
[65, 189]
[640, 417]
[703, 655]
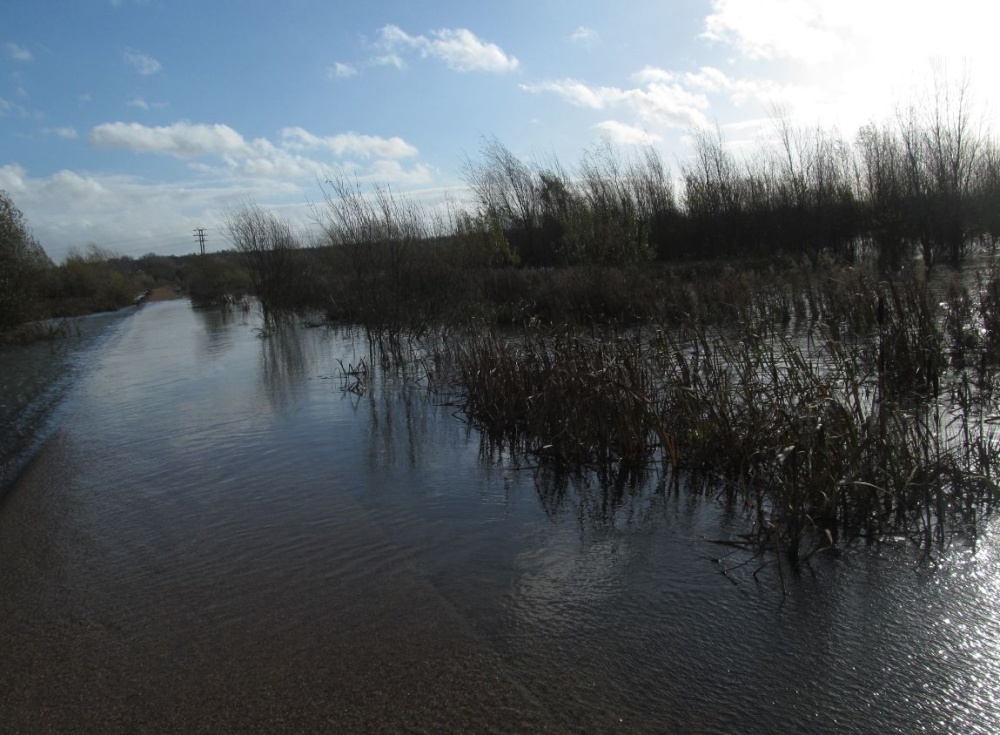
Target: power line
[200, 234]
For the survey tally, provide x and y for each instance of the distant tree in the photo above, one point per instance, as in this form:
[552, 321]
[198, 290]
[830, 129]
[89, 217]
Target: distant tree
[22, 266]
[506, 190]
[267, 247]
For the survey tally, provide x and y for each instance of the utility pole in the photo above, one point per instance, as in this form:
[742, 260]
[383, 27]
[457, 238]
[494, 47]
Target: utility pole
[200, 234]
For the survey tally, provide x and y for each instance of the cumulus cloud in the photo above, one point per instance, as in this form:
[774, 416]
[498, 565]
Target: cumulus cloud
[18, 53]
[73, 207]
[143, 63]
[182, 140]
[459, 48]
[298, 154]
[365, 146]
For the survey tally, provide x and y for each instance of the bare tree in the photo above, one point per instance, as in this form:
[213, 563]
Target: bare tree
[267, 246]
[383, 238]
[507, 191]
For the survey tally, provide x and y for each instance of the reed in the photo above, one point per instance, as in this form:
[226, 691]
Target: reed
[572, 399]
[858, 427]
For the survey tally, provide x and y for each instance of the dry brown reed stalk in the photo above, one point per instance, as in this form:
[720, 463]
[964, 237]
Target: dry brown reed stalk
[573, 399]
[820, 440]
[857, 427]
[823, 440]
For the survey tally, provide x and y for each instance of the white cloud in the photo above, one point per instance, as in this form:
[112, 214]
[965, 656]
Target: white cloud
[340, 70]
[18, 53]
[6, 106]
[366, 146]
[659, 103]
[141, 104]
[299, 155]
[188, 140]
[623, 134]
[143, 63]
[585, 36]
[884, 35]
[392, 171]
[182, 140]
[742, 90]
[70, 209]
[459, 48]
[12, 177]
[66, 133]
[803, 30]
[575, 92]
[659, 99]
[394, 60]
[73, 208]
[843, 62]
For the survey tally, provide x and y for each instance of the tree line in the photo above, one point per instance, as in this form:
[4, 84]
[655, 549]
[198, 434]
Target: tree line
[925, 185]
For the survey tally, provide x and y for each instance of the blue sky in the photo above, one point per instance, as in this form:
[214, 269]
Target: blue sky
[128, 123]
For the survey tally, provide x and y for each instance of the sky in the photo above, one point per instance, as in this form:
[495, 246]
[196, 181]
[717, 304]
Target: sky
[128, 124]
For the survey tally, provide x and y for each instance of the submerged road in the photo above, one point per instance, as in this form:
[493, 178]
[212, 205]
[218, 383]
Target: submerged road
[140, 595]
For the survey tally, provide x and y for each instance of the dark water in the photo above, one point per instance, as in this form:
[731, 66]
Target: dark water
[218, 539]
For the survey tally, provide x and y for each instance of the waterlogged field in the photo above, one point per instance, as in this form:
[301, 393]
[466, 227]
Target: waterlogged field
[236, 528]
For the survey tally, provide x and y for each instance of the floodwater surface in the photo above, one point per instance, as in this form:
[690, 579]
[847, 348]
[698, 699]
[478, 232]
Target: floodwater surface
[216, 537]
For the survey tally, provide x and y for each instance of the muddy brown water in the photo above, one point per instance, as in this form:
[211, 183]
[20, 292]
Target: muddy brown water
[213, 537]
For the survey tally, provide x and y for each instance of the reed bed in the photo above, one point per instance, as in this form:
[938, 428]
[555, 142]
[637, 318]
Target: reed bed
[862, 426]
[576, 400]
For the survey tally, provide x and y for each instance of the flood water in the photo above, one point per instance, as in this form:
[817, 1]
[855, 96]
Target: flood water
[215, 537]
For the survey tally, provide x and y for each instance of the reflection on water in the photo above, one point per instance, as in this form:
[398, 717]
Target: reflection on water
[220, 539]
[34, 379]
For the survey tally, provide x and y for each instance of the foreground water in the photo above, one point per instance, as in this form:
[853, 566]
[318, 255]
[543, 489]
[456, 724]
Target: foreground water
[217, 538]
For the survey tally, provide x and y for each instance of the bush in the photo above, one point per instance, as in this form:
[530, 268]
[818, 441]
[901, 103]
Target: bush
[22, 265]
